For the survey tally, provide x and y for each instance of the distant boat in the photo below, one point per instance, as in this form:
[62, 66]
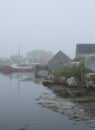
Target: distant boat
[15, 68]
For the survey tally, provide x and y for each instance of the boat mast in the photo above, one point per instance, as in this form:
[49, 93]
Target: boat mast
[18, 54]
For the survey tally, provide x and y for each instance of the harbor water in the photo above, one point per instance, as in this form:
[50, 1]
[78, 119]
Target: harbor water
[20, 109]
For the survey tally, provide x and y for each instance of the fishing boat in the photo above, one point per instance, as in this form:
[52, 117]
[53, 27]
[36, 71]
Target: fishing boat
[15, 68]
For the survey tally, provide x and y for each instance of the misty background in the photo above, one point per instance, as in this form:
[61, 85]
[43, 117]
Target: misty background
[50, 25]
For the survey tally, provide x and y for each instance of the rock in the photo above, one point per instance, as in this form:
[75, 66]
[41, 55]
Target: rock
[60, 80]
[90, 74]
[48, 83]
[72, 82]
[50, 77]
[91, 84]
[89, 62]
[73, 64]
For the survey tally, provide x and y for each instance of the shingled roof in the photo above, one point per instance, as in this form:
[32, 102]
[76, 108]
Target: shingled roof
[85, 48]
[58, 61]
[61, 56]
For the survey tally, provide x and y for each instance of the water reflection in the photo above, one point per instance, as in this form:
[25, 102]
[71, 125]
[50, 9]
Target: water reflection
[76, 107]
[23, 111]
[19, 77]
[18, 87]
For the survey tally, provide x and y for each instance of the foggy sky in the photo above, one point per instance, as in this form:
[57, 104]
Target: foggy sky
[52, 25]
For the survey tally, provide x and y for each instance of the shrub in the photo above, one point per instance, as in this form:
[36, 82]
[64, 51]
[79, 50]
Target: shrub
[77, 72]
[92, 77]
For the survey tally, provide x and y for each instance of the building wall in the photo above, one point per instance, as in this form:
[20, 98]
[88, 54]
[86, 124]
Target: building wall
[55, 64]
[83, 50]
[78, 55]
[58, 61]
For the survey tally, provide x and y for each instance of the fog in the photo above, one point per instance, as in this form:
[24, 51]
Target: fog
[51, 25]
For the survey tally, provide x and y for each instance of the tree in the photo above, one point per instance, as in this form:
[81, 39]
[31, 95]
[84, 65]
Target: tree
[40, 56]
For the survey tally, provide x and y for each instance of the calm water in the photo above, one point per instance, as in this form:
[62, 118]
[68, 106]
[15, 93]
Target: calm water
[19, 107]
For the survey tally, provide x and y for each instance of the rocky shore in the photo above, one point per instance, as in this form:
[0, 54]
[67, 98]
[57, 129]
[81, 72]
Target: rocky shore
[78, 112]
[77, 103]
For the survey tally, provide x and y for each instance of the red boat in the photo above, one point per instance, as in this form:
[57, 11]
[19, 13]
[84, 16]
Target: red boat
[14, 68]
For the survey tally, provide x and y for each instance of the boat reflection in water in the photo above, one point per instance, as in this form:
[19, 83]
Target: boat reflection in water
[19, 78]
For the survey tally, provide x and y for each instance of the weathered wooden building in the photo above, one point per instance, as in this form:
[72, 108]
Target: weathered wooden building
[83, 50]
[58, 61]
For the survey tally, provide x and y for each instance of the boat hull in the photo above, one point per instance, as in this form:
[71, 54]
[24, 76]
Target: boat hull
[10, 69]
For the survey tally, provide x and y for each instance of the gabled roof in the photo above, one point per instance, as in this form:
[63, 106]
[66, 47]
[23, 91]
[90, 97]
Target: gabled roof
[58, 61]
[60, 56]
[85, 48]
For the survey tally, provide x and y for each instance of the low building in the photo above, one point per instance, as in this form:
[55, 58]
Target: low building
[41, 71]
[83, 50]
[58, 61]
